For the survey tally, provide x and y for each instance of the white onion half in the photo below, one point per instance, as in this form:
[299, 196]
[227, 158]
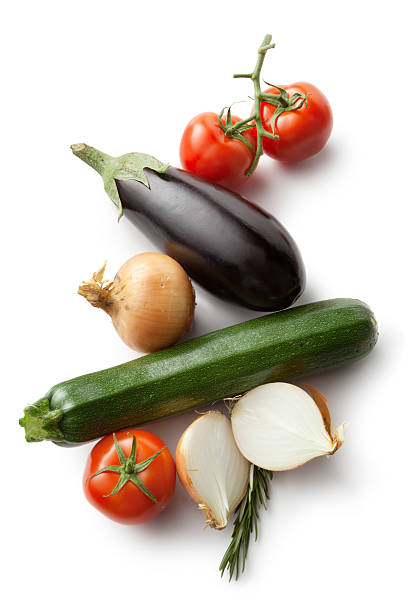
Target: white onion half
[211, 468]
[279, 426]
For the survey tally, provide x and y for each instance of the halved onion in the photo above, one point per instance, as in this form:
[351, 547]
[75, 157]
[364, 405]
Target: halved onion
[279, 426]
[211, 468]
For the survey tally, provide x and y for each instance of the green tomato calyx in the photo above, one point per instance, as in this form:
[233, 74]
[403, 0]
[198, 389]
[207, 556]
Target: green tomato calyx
[129, 469]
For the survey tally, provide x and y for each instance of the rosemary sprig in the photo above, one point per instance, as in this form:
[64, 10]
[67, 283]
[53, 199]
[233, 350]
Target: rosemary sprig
[246, 521]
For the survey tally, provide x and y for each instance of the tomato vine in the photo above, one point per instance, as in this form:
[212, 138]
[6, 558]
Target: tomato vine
[281, 101]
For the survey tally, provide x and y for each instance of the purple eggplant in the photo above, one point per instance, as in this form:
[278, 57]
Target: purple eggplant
[233, 248]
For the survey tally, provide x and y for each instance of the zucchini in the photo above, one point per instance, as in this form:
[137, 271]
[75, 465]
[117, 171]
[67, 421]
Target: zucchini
[276, 347]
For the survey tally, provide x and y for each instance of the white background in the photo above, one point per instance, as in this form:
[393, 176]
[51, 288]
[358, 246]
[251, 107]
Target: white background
[126, 76]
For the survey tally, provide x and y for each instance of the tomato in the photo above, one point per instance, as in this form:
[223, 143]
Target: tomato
[302, 133]
[113, 459]
[207, 152]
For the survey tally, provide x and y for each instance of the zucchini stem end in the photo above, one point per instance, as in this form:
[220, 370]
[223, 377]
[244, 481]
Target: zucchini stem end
[41, 423]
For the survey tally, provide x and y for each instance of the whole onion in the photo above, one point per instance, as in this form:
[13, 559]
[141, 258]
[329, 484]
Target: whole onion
[151, 300]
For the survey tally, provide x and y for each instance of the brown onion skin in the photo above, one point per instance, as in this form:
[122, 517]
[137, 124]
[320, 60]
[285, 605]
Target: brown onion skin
[151, 301]
[187, 483]
[182, 471]
[159, 281]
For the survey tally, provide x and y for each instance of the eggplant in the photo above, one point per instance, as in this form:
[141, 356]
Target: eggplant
[231, 247]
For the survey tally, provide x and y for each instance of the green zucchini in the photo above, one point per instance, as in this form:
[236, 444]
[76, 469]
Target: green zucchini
[276, 347]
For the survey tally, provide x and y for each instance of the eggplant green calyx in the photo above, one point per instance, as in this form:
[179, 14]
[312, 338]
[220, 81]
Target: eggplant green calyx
[282, 102]
[41, 423]
[127, 167]
[129, 469]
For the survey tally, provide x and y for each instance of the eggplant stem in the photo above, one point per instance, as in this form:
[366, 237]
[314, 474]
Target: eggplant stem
[91, 156]
[130, 166]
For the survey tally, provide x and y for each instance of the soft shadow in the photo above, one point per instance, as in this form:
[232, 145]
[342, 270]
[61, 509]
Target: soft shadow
[309, 295]
[322, 473]
[176, 516]
[318, 163]
[171, 428]
[271, 175]
[228, 314]
[211, 309]
[260, 183]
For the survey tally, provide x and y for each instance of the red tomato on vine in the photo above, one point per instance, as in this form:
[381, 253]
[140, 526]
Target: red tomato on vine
[207, 151]
[302, 132]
